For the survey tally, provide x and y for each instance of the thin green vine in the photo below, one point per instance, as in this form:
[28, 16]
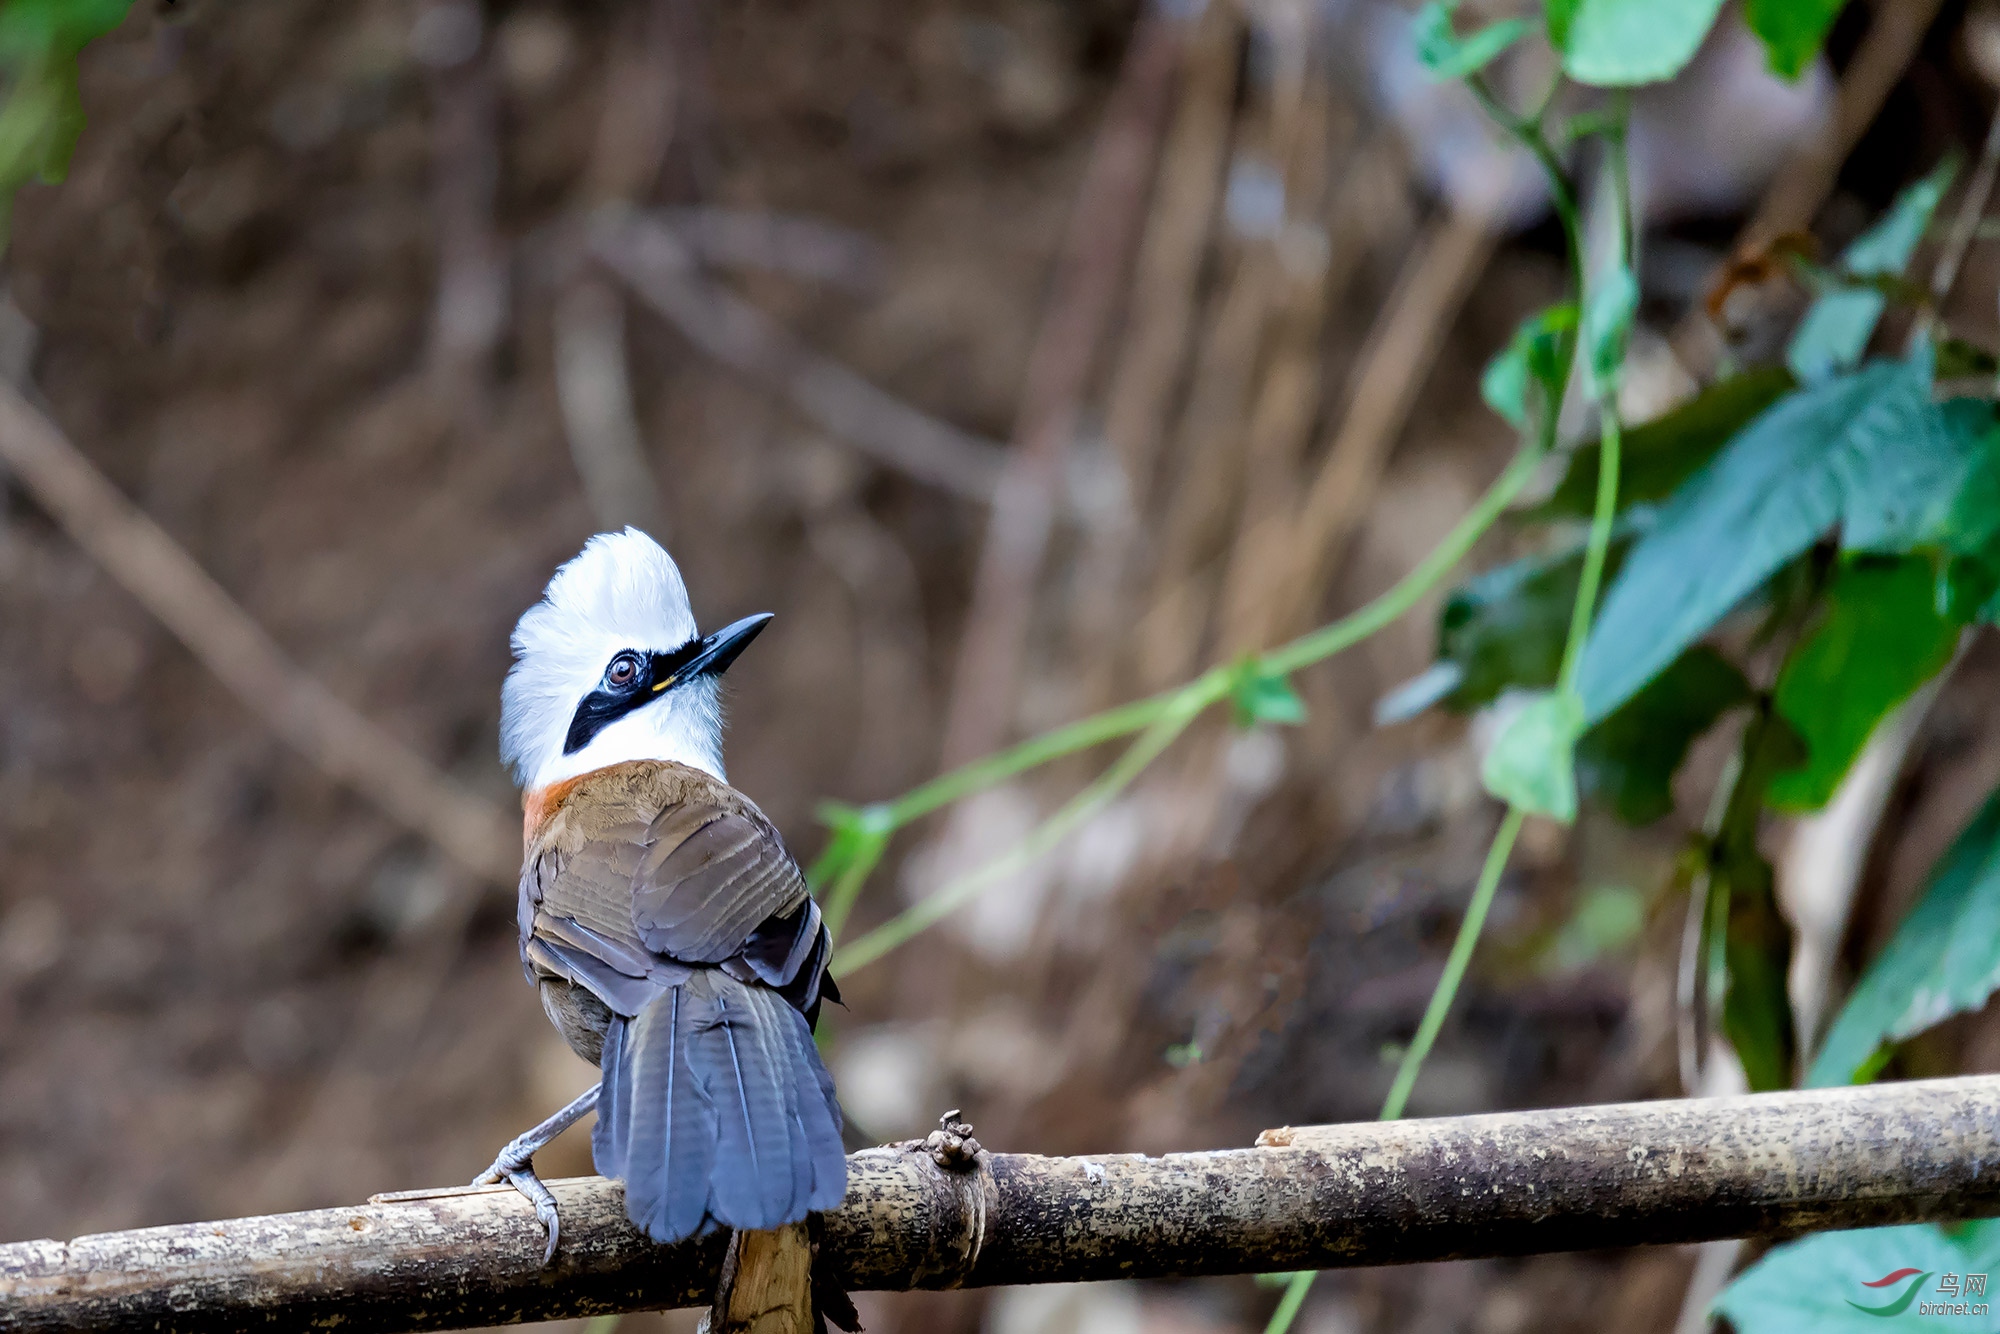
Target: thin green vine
[1530, 134]
[869, 828]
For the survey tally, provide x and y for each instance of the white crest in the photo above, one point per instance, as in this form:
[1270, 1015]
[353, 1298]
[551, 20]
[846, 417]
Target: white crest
[622, 591]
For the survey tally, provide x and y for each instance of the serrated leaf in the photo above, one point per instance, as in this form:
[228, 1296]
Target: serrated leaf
[1656, 457]
[1943, 960]
[1836, 329]
[1868, 451]
[1879, 636]
[1818, 1284]
[1792, 31]
[1445, 55]
[1532, 762]
[1607, 324]
[1260, 696]
[1631, 757]
[1618, 43]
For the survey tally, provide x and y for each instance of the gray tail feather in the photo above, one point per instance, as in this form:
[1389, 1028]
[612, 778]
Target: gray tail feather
[717, 1109]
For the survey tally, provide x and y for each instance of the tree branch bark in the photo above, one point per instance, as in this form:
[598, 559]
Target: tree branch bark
[1513, 1183]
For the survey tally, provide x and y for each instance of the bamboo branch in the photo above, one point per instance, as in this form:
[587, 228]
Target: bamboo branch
[1317, 1197]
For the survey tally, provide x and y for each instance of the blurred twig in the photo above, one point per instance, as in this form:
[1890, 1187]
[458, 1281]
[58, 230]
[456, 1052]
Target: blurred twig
[150, 565]
[599, 420]
[1401, 349]
[594, 389]
[469, 313]
[1895, 34]
[849, 865]
[1146, 379]
[652, 260]
[796, 246]
[1090, 271]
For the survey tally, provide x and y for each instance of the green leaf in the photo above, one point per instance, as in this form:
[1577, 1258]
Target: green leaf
[1836, 330]
[1943, 960]
[1607, 324]
[1880, 635]
[36, 29]
[1524, 382]
[1505, 629]
[1631, 757]
[1445, 55]
[1792, 30]
[1531, 764]
[1655, 458]
[1868, 451]
[1817, 1285]
[1257, 695]
[43, 112]
[1958, 359]
[1756, 938]
[1757, 1010]
[1617, 43]
[1607, 920]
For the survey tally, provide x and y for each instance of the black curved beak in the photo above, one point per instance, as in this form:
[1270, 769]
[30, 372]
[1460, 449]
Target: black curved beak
[712, 653]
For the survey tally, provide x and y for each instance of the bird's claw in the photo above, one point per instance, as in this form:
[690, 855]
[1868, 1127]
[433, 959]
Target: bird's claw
[517, 1170]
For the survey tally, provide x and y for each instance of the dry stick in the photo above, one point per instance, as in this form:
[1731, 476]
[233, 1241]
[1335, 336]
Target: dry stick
[593, 388]
[1287, 401]
[153, 568]
[1159, 325]
[469, 314]
[789, 244]
[599, 420]
[1090, 270]
[1395, 362]
[1803, 184]
[1319, 1197]
[1894, 35]
[647, 256]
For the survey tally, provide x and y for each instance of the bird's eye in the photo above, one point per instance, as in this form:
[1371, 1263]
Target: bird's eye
[623, 671]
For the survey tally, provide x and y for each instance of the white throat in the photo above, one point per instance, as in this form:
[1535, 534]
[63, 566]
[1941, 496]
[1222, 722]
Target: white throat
[684, 728]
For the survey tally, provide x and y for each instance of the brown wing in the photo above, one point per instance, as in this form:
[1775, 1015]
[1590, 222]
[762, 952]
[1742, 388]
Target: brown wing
[710, 876]
[653, 868]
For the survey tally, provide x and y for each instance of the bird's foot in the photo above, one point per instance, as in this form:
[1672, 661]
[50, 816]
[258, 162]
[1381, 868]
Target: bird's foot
[516, 1166]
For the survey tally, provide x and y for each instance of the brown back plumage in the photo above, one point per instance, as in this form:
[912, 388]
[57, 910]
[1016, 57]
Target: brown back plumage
[675, 943]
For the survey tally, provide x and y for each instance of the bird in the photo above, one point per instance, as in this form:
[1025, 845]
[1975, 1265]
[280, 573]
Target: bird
[669, 931]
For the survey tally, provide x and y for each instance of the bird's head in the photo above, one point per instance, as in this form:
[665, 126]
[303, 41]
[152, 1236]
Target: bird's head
[609, 667]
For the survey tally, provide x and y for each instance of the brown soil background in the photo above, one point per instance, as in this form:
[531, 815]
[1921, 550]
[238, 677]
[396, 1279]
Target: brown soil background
[229, 985]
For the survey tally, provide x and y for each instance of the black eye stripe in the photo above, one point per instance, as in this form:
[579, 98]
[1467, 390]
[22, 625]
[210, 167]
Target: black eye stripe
[608, 703]
[665, 665]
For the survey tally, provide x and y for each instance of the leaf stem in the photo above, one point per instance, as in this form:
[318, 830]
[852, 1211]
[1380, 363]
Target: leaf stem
[1429, 1026]
[1597, 548]
[901, 928]
[1563, 194]
[1173, 709]
[1454, 965]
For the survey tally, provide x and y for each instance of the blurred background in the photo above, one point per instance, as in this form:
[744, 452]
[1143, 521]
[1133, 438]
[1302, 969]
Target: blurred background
[1024, 356]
